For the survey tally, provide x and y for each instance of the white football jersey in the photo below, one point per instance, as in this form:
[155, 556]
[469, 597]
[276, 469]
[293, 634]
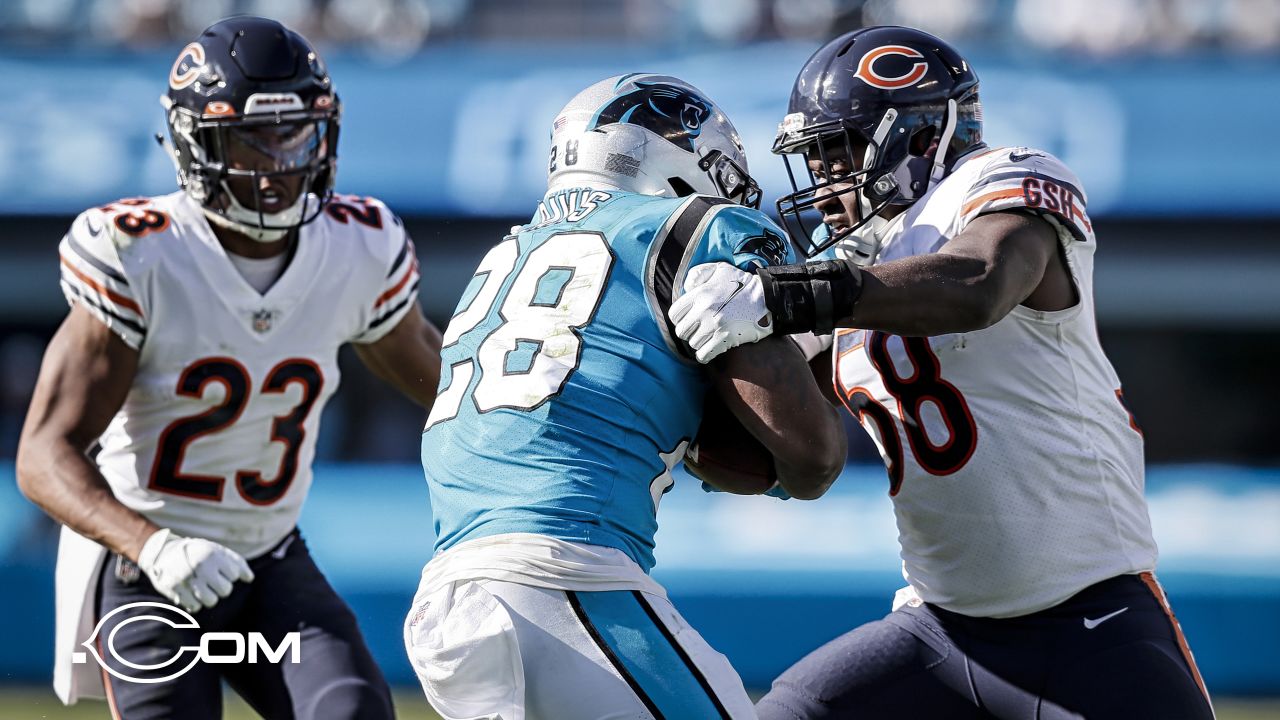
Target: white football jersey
[1016, 470]
[217, 434]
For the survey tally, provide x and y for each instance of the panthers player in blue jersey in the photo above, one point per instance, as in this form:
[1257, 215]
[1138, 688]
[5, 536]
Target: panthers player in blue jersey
[566, 400]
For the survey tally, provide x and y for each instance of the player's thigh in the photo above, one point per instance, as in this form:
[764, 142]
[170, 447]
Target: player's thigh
[1137, 664]
[643, 640]
[1143, 679]
[878, 670]
[491, 647]
[151, 649]
[335, 675]
[463, 647]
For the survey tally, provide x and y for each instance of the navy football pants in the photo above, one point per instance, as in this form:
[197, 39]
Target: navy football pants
[336, 677]
[1079, 659]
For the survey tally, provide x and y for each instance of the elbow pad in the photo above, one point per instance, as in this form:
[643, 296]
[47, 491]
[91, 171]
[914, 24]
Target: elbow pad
[811, 297]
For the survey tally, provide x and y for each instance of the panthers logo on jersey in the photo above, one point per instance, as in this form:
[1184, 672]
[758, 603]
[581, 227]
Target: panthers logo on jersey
[768, 245]
[671, 111]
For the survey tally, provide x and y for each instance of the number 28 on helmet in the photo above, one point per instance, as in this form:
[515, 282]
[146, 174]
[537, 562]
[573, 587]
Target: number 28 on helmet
[649, 134]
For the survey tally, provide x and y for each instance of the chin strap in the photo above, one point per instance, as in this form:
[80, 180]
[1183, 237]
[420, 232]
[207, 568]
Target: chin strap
[262, 235]
[242, 220]
[944, 143]
[865, 205]
[862, 246]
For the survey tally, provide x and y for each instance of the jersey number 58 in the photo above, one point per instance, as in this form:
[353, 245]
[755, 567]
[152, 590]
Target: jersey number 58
[924, 386]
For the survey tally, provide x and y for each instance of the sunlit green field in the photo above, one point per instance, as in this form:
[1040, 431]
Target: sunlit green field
[27, 703]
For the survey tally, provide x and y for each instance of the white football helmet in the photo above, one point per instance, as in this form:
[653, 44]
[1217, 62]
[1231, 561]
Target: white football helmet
[650, 134]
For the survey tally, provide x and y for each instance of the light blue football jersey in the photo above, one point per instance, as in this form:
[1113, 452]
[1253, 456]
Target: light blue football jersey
[565, 398]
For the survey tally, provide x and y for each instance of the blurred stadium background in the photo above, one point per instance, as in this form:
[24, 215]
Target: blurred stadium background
[1166, 108]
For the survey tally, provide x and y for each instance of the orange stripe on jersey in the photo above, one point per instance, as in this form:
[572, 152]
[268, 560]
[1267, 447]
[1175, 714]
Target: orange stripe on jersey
[115, 297]
[106, 683]
[985, 153]
[995, 195]
[413, 268]
[1154, 586]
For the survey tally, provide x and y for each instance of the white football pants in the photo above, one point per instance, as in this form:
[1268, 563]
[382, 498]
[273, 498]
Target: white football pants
[492, 649]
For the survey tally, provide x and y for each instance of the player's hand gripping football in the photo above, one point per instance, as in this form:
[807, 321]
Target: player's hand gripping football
[722, 308]
[192, 572]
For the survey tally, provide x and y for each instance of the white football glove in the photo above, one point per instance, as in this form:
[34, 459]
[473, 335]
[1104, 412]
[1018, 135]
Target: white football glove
[192, 572]
[722, 308]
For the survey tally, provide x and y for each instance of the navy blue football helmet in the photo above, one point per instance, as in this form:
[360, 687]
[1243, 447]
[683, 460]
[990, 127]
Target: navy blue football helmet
[895, 106]
[251, 87]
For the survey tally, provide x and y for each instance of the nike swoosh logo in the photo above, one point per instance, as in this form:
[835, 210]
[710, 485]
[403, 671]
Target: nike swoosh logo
[93, 232]
[1019, 157]
[732, 295]
[279, 552]
[1091, 624]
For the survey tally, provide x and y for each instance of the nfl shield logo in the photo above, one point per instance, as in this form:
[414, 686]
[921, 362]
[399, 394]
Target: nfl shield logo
[262, 320]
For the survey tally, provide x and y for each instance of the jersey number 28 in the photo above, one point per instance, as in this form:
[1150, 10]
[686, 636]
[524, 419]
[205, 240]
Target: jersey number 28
[554, 294]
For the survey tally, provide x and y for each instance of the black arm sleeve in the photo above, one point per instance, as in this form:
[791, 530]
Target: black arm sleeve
[811, 297]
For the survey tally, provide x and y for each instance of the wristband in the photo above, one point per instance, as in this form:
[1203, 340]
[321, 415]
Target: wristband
[811, 297]
[150, 550]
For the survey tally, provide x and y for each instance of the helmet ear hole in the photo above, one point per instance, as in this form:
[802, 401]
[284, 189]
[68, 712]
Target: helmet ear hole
[682, 188]
[923, 141]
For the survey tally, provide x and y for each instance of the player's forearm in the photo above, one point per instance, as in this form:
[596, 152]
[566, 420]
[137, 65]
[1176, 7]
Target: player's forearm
[418, 383]
[408, 358]
[820, 366]
[921, 295]
[927, 295]
[771, 390]
[63, 482]
[809, 475]
[421, 386]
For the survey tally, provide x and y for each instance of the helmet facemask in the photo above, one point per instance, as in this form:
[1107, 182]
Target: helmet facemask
[893, 163]
[847, 166]
[224, 162]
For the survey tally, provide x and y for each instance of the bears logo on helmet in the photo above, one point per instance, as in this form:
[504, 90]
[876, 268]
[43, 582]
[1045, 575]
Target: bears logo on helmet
[867, 70]
[187, 67]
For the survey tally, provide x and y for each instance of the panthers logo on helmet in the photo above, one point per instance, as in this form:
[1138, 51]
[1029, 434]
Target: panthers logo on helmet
[769, 246]
[672, 112]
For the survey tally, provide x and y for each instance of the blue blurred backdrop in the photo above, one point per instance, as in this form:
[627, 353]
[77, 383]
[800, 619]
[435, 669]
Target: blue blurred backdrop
[1165, 108]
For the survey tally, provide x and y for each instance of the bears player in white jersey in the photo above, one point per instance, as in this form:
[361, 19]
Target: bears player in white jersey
[960, 292]
[199, 353]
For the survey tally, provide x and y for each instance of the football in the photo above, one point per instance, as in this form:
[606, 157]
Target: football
[725, 455]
